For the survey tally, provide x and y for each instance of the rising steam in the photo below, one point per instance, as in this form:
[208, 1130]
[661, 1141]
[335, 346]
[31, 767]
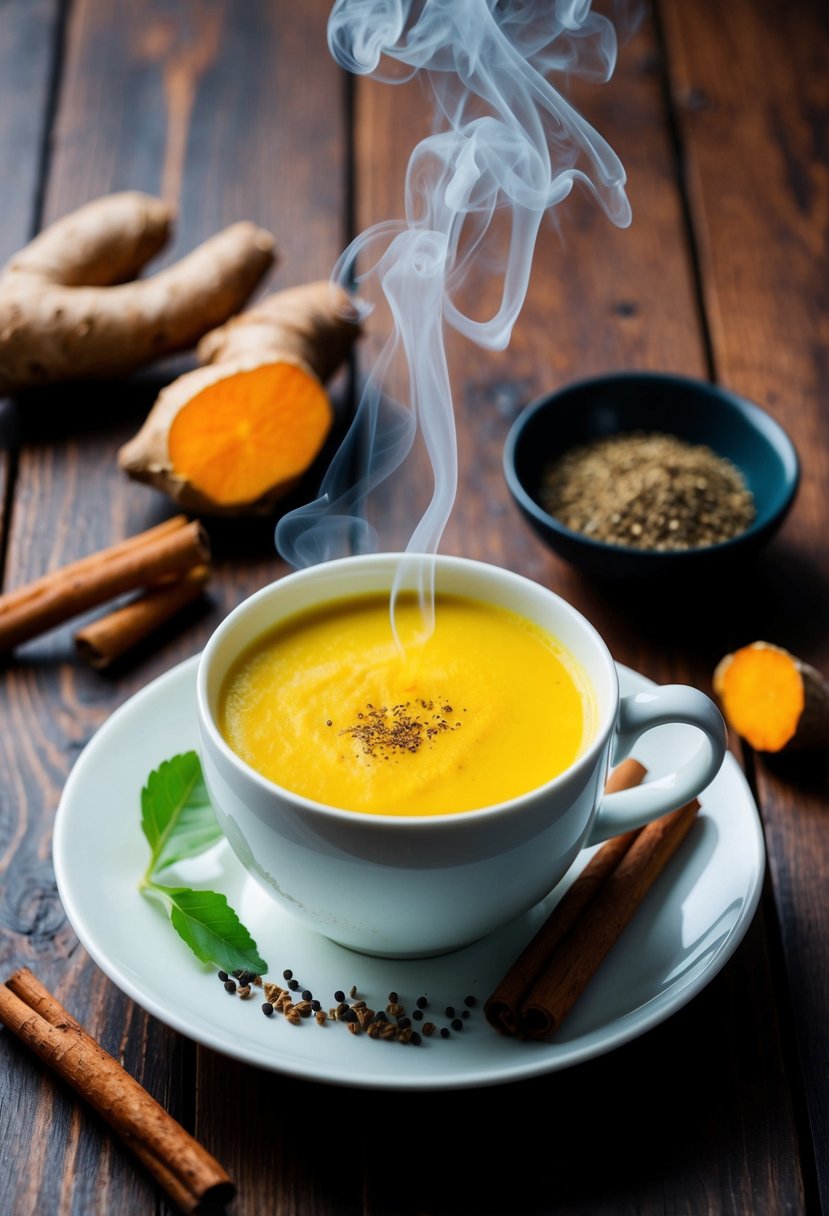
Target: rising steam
[506, 145]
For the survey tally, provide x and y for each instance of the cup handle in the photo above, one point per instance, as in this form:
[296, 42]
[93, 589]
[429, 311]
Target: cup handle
[640, 712]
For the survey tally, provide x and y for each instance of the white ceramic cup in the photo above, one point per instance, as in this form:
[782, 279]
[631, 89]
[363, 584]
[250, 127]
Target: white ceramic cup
[400, 886]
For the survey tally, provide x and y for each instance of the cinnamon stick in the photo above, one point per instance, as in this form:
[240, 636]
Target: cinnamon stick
[147, 558]
[183, 1167]
[503, 1008]
[574, 964]
[106, 639]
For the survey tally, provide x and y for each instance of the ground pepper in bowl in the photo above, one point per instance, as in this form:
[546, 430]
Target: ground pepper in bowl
[648, 490]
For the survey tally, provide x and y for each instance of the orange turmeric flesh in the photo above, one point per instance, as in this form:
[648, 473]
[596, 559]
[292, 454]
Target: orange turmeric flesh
[762, 696]
[250, 432]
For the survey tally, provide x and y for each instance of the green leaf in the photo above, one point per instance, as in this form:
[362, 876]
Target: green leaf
[212, 930]
[176, 815]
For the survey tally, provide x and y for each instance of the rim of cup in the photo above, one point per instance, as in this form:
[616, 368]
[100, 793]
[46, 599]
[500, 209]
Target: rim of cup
[583, 763]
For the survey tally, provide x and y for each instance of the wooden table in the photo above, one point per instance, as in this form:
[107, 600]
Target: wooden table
[719, 114]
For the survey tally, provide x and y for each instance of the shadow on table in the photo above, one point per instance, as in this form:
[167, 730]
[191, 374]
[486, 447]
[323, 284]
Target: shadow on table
[779, 596]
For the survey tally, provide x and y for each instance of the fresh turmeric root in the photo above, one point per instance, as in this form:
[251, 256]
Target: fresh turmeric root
[772, 699]
[69, 311]
[232, 437]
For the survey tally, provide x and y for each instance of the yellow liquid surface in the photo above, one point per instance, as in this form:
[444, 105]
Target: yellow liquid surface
[485, 708]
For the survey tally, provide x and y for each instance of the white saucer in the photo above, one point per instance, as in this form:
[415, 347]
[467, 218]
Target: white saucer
[688, 926]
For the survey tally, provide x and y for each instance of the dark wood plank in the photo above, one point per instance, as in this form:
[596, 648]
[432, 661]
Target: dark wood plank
[599, 299]
[214, 106]
[30, 36]
[30, 42]
[757, 164]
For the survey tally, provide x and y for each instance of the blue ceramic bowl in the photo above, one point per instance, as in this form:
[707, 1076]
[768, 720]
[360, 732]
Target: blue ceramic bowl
[651, 401]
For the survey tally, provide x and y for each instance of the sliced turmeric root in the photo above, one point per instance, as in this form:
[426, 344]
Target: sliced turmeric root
[232, 437]
[251, 433]
[772, 699]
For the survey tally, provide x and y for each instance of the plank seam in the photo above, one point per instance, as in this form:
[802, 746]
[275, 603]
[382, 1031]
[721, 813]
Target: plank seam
[677, 144]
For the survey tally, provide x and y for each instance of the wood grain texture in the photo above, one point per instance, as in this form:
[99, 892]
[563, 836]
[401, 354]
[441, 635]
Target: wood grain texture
[753, 99]
[217, 109]
[30, 41]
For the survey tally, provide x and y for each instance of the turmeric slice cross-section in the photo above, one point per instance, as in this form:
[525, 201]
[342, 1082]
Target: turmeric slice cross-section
[251, 433]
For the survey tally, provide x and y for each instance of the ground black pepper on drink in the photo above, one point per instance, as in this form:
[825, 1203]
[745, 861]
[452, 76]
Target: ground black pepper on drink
[648, 491]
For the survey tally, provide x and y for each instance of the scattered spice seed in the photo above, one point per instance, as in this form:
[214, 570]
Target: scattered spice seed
[390, 1023]
[287, 974]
